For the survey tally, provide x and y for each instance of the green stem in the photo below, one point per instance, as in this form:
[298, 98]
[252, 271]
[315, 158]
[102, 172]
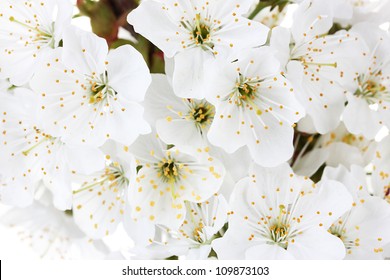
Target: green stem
[77, 15]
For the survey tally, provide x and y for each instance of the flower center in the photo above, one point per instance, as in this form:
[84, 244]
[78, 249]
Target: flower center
[372, 90]
[202, 113]
[169, 170]
[279, 234]
[116, 175]
[245, 93]
[100, 90]
[201, 32]
[280, 229]
[246, 90]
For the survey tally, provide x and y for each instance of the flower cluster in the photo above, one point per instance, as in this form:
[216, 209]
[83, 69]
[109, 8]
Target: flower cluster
[263, 138]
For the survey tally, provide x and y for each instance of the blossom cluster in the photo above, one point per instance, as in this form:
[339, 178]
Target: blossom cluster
[262, 139]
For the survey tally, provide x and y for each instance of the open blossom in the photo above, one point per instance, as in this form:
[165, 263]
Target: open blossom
[365, 229]
[276, 214]
[172, 114]
[194, 33]
[260, 135]
[168, 177]
[194, 237]
[320, 66]
[89, 95]
[29, 30]
[371, 94]
[254, 106]
[29, 154]
[101, 200]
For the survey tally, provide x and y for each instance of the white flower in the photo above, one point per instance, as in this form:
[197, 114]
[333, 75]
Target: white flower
[179, 121]
[30, 154]
[320, 66]
[29, 30]
[371, 93]
[255, 106]
[194, 32]
[51, 233]
[278, 215]
[100, 202]
[365, 229]
[381, 173]
[336, 147]
[168, 177]
[88, 95]
[193, 239]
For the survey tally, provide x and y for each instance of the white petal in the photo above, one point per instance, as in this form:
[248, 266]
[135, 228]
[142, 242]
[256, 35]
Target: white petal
[227, 124]
[317, 99]
[188, 138]
[341, 153]
[200, 253]
[272, 141]
[311, 18]
[366, 122]
[202, 180]
[128, 73]
[85, 160]
[331, 202]
[152, 199]
[268, 252]
[229, 247]
[18, 193]
[354, 180]
[84, 51]
[154, 23]
[189, 71]
[242, 29]
[159, 96]
[141, 230]
[311, 162]
[126, 123]
[317, 244]
[280, 40]
[98, 210]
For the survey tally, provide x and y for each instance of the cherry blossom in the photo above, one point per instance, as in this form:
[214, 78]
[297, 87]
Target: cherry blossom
[29, 31]
[88, 95]
[194, 33]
